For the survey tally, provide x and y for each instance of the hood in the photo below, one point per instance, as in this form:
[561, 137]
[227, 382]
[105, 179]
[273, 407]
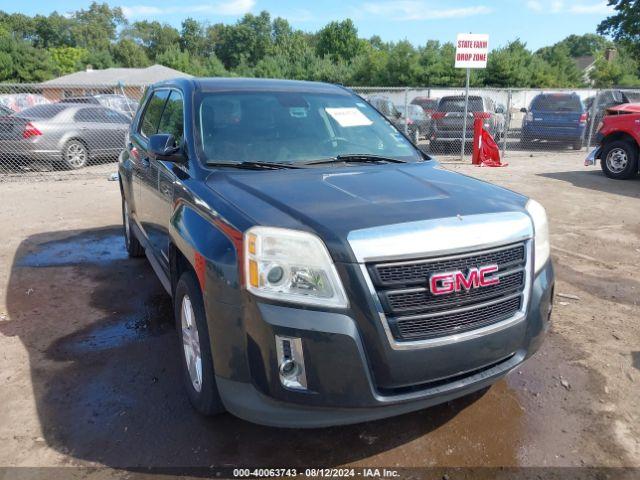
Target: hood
[333, 200]
[624, 108]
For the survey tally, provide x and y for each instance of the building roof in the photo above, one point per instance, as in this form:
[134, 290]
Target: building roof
[114, 76]
[584, 62]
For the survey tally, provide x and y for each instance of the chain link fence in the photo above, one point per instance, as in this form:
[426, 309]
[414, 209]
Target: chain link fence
[61, 131]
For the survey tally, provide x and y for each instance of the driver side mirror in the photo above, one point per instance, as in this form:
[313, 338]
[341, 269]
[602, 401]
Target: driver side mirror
[162, 146]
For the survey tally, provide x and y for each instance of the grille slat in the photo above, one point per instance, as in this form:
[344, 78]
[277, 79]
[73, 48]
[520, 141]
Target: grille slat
[399, 301]
[408, 273]
[451, 324]
[414, 313]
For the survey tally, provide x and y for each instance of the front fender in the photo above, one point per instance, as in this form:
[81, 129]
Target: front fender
[214, 249]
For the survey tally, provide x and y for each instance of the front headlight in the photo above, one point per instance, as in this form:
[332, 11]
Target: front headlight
[292, 266]
[541, 229]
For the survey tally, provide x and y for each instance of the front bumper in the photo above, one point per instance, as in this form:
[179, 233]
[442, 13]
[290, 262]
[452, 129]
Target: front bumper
[342, 387]
[592, 157]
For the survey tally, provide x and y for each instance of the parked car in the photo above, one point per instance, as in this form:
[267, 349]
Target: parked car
[617, 142]
[429, 105]
[4, 111]
[387, 108]
[322, 269]
[418, 123]
[66, 134]
[605, 99]
[119, 103]
[559, 117]
[448, 121]
[19, 101]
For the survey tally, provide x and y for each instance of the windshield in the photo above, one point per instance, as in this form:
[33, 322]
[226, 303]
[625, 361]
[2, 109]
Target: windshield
[557, 103]
[456, 104]
[281, 127]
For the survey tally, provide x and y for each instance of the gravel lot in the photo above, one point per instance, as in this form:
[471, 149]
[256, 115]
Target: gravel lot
[89, 377]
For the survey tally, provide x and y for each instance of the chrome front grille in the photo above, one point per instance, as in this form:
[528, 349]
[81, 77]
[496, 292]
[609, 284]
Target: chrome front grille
[414, 313]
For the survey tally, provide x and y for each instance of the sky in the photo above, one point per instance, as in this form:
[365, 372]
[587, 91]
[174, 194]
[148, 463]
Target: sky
[536, 22]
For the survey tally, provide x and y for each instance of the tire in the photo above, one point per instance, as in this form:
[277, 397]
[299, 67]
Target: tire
[193, 335]
[577, 145]
[131, 242]
[415, 136]
[75, 155]
[619, 159]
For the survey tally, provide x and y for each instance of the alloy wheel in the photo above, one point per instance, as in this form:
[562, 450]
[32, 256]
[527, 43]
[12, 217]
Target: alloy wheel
[191, 343]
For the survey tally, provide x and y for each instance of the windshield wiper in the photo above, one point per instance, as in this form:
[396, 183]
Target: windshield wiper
[254, 165]
[355, 158]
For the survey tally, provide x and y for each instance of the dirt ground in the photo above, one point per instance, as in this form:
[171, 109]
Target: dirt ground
[88, 356]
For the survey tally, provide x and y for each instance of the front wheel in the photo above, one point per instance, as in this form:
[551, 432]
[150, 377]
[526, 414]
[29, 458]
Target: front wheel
[196, 357]
[619, 159]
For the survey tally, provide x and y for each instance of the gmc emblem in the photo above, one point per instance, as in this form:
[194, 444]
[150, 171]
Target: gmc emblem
[449, 282]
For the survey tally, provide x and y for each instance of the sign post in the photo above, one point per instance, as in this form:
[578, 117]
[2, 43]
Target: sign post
[472, 50]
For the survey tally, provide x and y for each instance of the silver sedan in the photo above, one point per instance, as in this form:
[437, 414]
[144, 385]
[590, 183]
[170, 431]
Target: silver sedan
[67, 134]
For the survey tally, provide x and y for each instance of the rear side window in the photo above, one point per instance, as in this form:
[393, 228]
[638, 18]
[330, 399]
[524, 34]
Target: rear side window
[557, 103]
[172, 120]
[153, 112]
[89, 115]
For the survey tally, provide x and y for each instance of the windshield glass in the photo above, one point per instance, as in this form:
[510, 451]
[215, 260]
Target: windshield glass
[557, 103]
[282, 127]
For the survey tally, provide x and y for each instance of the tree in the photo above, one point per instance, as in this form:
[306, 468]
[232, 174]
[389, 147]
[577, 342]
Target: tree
[154, 37]
[619, 72]
[96, 27]
[584, 45]
[68, 59]
[508, 66]
[338, 40]
[192, 38]
[564, 69]
[53, 31]
[128, 53]
[624, 25]
[21, 62]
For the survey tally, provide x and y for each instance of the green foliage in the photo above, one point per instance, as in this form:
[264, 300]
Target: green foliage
[624, 25]
[128, 53]
[619, 72]
[21, 62]
[68, 59]
[96, 27]
[154, 37]
[41, 47]
[338, 40]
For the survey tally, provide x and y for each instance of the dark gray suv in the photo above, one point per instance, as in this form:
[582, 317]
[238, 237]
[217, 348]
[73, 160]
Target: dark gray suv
[324, 270]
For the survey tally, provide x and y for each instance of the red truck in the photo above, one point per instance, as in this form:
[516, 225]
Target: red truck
[617, 142]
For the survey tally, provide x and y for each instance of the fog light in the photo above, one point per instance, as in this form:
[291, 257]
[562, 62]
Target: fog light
[291, 362]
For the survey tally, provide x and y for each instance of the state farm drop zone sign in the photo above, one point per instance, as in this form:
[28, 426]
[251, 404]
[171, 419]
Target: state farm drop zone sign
[472, 50]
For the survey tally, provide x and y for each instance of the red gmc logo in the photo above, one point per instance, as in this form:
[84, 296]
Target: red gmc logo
[443, 283]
